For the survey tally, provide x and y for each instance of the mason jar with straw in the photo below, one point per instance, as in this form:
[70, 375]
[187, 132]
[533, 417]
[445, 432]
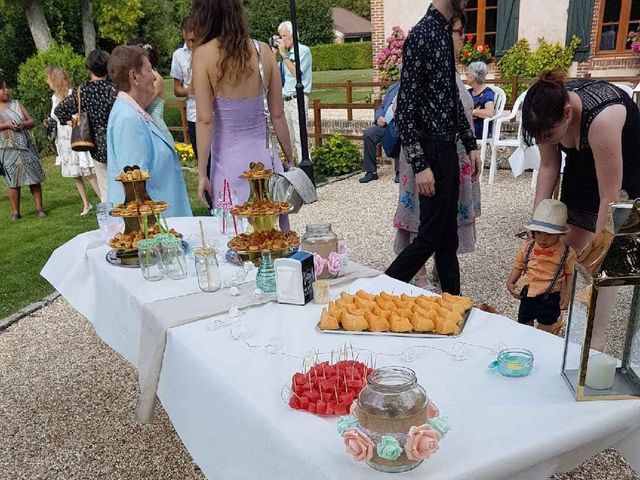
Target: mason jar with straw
[174, 259]
[207, 269]
[150, 260]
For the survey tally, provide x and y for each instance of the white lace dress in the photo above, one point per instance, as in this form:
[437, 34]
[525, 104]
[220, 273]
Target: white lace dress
[73, 164]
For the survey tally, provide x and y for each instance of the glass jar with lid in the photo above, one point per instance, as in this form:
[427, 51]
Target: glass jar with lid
[391, 403]
[319, 238]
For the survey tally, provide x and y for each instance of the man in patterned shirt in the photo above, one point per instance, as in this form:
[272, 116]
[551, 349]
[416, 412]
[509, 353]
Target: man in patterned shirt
[431, 118]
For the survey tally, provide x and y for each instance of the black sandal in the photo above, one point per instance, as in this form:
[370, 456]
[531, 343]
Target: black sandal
[15, 217]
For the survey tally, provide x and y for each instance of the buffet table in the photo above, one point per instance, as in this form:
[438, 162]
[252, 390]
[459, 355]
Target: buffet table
[222, 379]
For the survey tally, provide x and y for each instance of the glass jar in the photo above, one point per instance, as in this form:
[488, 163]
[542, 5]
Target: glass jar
[513, 362]
[207, 269]
[320, 239]
[150, 260]
[391, 403]
[174, 259]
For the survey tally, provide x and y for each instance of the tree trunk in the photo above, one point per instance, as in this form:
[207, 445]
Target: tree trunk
[38, 25]
[88, 27]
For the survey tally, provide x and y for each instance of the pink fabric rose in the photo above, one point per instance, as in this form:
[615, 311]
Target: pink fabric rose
[432, 410]
[334, 263]
[359, 445]
[318, 263]
[422, 442]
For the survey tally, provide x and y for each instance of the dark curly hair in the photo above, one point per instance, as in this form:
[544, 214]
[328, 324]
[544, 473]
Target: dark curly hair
[224, 20]
[543, 106]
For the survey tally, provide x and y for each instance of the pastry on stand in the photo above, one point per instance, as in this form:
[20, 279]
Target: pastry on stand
[262, 214]
[140, 214]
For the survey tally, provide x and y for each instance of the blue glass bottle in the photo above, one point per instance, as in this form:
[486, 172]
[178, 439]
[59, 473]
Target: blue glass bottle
[266, 276]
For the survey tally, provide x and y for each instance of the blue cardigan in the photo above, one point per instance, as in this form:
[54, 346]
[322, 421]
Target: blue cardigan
[134, 140]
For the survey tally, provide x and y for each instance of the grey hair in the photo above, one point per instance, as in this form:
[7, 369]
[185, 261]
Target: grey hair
[478, 70]
[287, 26]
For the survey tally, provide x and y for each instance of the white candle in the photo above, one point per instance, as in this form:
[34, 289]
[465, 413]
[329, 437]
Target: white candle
[601, 372]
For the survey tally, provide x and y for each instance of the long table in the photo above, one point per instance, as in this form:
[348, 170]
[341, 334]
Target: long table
[222, 385]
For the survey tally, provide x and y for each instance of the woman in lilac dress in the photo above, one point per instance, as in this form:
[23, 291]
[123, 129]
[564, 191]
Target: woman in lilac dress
[235, 79]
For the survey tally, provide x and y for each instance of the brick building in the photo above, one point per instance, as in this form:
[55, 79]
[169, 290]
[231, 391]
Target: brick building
[601, 24]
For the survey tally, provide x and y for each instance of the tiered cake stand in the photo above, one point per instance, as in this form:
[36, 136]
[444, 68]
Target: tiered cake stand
[138, 212]
[262, 214]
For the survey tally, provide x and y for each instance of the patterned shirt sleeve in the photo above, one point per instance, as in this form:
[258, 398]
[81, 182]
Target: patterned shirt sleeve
[67, 109]
[408, 116]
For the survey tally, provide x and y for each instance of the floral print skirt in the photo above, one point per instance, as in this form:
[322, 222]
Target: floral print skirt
[407, 217]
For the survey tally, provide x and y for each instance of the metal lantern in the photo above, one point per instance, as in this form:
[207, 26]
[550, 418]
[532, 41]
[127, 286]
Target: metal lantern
[605, 298]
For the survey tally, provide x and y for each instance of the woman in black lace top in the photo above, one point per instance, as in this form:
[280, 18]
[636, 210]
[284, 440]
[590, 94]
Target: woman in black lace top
[97, 96]
[597, 126]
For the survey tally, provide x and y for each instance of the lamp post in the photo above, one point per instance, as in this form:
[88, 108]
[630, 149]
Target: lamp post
[305, 161]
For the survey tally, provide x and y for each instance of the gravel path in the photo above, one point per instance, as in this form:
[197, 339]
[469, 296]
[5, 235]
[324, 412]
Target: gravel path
[67, 400]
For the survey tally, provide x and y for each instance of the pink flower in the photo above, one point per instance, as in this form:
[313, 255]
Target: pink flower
[432, 410]
[422, 442]
[334, 263]
[318, 263]
[359, 445]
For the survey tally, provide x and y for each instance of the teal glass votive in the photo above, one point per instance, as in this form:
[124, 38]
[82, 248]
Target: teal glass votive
[513, 362]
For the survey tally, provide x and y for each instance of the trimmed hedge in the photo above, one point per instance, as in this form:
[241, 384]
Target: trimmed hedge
[342, 56]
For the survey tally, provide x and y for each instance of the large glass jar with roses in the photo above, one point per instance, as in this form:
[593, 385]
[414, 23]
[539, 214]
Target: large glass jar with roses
[393, 413]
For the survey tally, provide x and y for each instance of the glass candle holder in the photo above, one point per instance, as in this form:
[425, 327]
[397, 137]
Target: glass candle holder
[207, 269]
[513, 362]
[391, 403]
[150, 260]
[174, 259]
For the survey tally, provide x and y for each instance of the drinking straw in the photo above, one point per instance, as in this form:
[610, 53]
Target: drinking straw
[228, 190]
[204, 251]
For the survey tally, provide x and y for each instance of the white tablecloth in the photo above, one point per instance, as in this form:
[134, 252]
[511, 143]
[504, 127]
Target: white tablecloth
[224, 397]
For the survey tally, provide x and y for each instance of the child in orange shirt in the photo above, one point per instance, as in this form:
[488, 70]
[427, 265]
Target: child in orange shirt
[543, 272]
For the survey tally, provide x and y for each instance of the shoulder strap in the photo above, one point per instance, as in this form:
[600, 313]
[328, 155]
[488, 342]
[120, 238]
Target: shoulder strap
[527, 256]
[79, 103]
[558, 274]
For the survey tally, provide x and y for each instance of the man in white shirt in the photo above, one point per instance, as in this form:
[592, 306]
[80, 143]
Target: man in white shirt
[288, 72]
[181, 74]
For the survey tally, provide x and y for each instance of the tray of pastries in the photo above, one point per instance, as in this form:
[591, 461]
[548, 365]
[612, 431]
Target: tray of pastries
[256, 171]
[258, 241]
[399, 315]
[129, 241]
[132, 174]
[260, 208]
[137, 208]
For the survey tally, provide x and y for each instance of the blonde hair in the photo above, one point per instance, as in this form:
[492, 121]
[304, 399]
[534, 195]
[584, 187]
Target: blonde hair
[59, 80]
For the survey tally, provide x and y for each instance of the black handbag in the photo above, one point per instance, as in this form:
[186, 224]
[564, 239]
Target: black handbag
[81, 134]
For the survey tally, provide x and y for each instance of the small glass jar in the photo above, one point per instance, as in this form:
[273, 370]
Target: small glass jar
[207, 269]
[150, 260]
[391, 403]
[174, 259]
[513, 362]
[320, 239]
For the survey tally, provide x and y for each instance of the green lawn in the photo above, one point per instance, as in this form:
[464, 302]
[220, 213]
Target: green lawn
[26, 245]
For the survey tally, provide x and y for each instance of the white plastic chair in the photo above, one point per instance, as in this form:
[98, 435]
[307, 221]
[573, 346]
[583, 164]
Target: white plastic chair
[627, 89]
[504, 142]
[500, 100]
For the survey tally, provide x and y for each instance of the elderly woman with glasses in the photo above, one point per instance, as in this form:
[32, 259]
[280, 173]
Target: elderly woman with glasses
[483, 96]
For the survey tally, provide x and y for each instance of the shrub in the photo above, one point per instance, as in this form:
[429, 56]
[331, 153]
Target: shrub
[337, 156]
[520, 61]
[388, 59]
[33, 91]
[336, 56]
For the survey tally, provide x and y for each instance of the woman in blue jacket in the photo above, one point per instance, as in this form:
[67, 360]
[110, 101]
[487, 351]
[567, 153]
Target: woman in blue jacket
[134, 139]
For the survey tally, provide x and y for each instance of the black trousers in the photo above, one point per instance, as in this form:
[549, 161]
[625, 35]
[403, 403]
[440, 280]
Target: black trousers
[372, 137]
[438, 231]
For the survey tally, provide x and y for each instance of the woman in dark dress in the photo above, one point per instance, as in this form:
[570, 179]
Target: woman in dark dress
[97, 97]
[597, 126]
